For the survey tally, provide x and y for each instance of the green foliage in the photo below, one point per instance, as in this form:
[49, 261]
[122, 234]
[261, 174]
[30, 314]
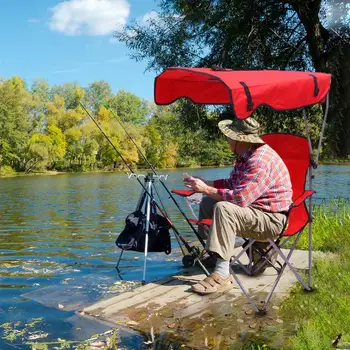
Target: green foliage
[129, 107]
[97, 93]
[14, 330]
[39, 346]
[6, 170]
[318, 317]
[331, 226]
[322, 315]
[71, 94]
[16, 106]
[47, 129]
[291, 34]
[259, 347]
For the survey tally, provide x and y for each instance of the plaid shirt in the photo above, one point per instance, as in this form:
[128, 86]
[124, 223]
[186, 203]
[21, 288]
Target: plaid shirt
[259, 179]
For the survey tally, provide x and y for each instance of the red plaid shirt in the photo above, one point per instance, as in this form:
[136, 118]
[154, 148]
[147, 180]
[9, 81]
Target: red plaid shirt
[259, 179]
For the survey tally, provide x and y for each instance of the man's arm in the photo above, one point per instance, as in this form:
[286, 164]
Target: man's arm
[251, 187]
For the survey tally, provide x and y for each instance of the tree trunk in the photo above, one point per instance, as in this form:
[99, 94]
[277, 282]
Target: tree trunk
[339, 116]
[329, 55]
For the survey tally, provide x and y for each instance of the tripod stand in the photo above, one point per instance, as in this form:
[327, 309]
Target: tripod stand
[144, 205]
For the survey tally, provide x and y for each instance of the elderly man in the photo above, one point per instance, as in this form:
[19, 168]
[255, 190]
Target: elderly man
[251, 203]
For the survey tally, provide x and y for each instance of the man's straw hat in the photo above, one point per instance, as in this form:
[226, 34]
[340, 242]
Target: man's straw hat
[241, 130]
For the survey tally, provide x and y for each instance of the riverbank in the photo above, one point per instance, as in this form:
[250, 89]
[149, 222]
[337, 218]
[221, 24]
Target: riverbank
[6, 174]
[97, 171]
[59, 232]
[298, 321]
[317, 319]
[179, 317]
[303, 320]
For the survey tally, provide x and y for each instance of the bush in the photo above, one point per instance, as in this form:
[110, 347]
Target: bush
[6, 170]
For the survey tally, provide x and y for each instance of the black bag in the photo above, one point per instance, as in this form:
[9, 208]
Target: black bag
[134, 234]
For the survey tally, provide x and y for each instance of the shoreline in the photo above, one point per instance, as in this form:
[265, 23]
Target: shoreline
[55, 172]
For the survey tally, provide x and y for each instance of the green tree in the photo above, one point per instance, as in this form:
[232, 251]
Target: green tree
[57, 144]
[38, 152]
[153, 144]
[16, 108]
[97, 93]
[71, 93]
[40, 91]
[290, 34]
[64, 118]
[129, 107]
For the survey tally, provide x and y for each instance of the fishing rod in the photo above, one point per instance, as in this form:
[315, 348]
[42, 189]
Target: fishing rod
[192, 250]
[152, 168]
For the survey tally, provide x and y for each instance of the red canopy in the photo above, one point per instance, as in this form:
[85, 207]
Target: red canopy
[244, 90]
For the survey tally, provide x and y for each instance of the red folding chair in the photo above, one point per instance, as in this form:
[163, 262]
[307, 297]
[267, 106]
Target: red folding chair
[245, 92]
[295, 152]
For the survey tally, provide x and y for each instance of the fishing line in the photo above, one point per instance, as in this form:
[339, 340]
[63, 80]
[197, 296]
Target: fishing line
[191, 250]
[163, 206]
[152, 168]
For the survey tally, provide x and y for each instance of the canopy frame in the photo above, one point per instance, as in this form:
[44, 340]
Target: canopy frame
[244, 90]
[313, 165]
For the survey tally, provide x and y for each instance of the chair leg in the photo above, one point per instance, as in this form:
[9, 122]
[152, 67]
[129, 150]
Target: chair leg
[280, 274]
[286, 262]
[235, 259]
[251, 302]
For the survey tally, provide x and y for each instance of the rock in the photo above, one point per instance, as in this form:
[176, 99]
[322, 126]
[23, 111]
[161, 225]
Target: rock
[269, 321]
[249, 312]
[97, 345]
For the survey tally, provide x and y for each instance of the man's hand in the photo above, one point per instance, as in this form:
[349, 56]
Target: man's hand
[207, 182]
[198, 185]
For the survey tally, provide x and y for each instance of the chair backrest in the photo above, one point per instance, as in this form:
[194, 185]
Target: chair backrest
[295, 152]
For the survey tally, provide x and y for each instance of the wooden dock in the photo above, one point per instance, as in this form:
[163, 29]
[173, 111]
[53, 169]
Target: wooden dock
[167, 308]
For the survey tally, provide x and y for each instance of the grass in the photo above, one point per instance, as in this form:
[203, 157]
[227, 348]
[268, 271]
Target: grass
[331, 226]
[321, 316]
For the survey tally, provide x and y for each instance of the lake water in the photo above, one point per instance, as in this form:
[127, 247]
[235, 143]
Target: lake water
[57, 250]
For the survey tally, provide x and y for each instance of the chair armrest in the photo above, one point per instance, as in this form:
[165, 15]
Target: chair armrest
[302, 198]
[183, 193]
[201, 222]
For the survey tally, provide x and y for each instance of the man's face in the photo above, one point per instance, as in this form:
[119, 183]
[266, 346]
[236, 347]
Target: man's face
[233, 145]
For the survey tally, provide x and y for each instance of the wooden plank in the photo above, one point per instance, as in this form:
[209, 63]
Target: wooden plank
[170, 302]
[128, 295]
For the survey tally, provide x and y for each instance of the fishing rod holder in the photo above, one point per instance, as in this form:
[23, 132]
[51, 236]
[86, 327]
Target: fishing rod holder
[149, 175]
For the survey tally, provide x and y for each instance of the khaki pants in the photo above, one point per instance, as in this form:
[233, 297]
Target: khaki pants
[230, 220]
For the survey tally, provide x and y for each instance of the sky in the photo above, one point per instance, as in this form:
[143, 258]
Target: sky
[72, 41]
